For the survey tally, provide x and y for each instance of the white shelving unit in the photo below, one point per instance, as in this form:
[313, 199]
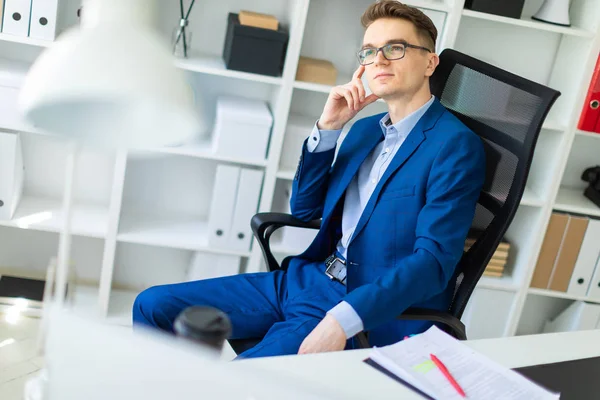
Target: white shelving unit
[139, 218]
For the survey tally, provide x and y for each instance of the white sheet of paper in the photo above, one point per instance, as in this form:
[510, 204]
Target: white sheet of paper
[478, 376]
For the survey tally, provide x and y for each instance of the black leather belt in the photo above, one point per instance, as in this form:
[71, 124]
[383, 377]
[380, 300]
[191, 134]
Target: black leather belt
[335, 268]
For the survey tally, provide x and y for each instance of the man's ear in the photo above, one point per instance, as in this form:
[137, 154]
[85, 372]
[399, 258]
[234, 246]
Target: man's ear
[433, 62]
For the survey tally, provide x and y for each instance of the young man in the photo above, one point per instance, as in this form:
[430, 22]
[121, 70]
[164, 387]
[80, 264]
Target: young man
[395, 206]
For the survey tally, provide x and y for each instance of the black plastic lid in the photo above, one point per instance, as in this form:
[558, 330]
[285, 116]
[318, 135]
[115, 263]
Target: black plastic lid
[203, 323]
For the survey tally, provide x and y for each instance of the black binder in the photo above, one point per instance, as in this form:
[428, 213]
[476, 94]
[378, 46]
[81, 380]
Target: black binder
[574, 380]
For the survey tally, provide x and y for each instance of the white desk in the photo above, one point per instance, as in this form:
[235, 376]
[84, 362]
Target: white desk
[357, 380]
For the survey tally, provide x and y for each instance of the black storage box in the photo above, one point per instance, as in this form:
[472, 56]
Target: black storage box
[505, 8]
[251, 49]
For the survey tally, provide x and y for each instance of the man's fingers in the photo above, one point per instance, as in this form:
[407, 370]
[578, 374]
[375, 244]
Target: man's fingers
[349, 99]
[359, 72]
[372, 98]
[356, 96]
[361, 90]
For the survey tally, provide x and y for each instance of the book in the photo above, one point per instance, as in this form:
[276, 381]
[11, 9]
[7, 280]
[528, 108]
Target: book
[410, 363]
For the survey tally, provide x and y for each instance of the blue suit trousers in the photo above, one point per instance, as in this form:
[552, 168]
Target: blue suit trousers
[283, 307]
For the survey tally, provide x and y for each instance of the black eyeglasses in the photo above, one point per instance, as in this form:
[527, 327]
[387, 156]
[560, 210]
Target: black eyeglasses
[391, 51]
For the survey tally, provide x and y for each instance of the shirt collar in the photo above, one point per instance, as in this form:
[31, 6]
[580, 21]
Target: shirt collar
[405, 125]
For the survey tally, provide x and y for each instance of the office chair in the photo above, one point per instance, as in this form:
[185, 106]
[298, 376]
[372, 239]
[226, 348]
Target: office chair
[507, 112]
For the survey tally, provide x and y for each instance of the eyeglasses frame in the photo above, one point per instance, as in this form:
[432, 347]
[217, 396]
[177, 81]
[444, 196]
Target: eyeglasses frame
[378, 49]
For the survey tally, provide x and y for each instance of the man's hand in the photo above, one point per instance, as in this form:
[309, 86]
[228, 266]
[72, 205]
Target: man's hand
[344, 102]
[327, 336]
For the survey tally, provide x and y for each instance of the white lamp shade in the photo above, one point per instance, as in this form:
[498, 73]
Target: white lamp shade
[110, 84]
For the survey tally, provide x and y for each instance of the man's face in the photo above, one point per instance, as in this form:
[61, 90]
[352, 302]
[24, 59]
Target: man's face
[397, 78]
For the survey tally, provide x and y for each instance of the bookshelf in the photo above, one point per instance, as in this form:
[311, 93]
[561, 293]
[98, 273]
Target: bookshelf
[139, 218]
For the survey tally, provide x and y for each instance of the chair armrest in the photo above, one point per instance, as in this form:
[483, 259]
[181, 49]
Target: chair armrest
[457, 328]
[265, 224]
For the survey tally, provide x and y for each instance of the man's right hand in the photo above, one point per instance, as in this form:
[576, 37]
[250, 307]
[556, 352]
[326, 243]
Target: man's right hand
[344, 102]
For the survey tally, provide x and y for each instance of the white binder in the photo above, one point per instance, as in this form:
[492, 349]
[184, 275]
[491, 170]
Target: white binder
[594, 289]
[586, 260]
[208, 266]
[577, 317]
[16, 17]
[246, 204]
[11, 174]
[43, 19]
[222, 205]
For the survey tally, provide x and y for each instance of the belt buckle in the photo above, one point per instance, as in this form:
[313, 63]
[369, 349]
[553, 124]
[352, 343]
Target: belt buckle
[330, 263]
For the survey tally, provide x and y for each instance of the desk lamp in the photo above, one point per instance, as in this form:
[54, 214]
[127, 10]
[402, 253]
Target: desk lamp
[109, 83]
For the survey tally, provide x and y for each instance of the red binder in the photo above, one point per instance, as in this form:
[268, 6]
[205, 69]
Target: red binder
[590, 116]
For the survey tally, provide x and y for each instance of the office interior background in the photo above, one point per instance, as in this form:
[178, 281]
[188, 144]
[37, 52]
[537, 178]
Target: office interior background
[148, 218]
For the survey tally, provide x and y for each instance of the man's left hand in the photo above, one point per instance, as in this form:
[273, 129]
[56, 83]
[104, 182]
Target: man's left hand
[327, 336]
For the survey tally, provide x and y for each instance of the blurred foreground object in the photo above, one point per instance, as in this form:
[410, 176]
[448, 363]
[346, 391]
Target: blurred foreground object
[111, 82]
[93, 361]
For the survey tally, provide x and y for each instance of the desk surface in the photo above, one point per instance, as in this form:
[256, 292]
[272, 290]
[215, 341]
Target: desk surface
[356, 380]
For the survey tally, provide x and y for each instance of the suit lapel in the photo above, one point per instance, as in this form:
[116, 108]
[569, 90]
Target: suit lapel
[366, 141]
[406, 150]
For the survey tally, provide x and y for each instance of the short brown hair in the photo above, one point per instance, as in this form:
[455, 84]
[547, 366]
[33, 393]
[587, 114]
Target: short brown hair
[394, 9]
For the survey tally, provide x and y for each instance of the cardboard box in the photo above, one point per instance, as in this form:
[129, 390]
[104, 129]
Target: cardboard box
[258, 20]
[316, 71]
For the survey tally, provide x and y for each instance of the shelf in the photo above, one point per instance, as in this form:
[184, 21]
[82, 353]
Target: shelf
[286, 174]
[203, 149]
[560, 295]
[45, 214]
[588, 134]
[313, 87]
[214, 65]
[505, 283]
[573, 200]
[25, 40]
[527, 22]
[178, 233]
[429, 4]
[531, 198]
[553, 125]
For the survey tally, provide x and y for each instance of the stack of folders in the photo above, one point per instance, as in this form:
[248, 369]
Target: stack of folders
[234, 202]
[568, 260]
[437, 366]
[495, 267]
[30, 18]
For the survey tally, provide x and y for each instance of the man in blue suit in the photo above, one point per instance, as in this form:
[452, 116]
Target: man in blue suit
[395, 204]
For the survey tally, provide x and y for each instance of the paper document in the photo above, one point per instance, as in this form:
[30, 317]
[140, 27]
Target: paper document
[477, 375]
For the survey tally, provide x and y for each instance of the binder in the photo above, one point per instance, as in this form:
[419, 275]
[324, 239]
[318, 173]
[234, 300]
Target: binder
[594, 289]
[248, 193]
[549, 251]
[567, 256]
[590, 115]
[43, 19]
[11, 178]
[16, 17]
[1, 14]
[586, 261]
[208, 266]
[578, 316]
[222, 205]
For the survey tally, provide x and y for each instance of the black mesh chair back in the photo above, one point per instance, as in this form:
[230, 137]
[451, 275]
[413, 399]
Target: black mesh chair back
[507, 112]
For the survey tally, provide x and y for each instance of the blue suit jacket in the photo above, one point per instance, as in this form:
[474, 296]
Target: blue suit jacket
[411, 234]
